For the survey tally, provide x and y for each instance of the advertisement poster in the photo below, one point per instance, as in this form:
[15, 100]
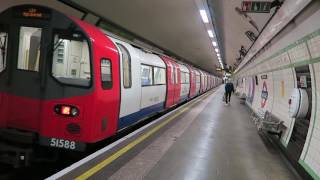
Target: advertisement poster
[251, 90]
[264, 94]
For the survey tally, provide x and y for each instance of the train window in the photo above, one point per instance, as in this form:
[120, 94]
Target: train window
[159, 75]
[198, 78]
[182, 78]
[29, 48]
[106, 76]
[176, 76]
[172, 75]
[126, 66]
[187, 78]
[3, 50]
[71, 59]
[146, 75]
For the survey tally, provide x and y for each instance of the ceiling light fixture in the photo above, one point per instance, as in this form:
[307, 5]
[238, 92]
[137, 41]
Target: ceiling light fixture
[214, 43]
[210, 33]
[216, 49]
[204, 16]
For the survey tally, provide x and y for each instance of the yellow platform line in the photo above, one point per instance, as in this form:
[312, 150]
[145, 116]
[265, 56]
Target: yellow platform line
[125, 149]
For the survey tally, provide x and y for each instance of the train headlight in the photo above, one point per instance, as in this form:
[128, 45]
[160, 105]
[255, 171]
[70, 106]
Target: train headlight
[74, 112]
[66, 110]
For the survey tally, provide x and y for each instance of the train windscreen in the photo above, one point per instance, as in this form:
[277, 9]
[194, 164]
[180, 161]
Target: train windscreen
[71, 59]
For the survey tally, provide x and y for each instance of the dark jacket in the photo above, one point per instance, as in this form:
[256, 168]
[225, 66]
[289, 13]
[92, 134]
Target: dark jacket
[229, 87]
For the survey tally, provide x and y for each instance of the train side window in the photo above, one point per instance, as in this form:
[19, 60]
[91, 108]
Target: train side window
[106, 76]
[3, 50]
[159, 75]
[183, 77]
[198, 78]
[187, 75]
[176, 76]
[146, 75]
[29, 48]
[126, 66]
[173, 75]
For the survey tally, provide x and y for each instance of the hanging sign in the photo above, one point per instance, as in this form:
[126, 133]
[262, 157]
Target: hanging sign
[256, 6]
[264, 76]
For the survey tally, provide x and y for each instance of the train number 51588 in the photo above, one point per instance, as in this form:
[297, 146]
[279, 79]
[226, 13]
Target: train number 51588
[61, 143]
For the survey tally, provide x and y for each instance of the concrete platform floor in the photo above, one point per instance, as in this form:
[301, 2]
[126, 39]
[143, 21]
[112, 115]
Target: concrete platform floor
[219, 143]
[208, 141]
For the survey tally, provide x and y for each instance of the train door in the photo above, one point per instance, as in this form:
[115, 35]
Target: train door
[130, 84]
[177, 80]
[198, 86]
[192, 82]
[3, 62]
[301, 125]
[170, 82]
[27, 50]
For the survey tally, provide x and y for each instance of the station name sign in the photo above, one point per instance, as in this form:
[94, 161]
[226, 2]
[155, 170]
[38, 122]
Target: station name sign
[32, 12]
[256, 6]
[264, 76]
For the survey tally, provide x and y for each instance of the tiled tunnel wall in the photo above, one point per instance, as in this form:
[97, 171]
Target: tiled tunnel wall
[296, 46]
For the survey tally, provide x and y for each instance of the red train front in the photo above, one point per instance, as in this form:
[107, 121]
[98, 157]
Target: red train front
[55, 75]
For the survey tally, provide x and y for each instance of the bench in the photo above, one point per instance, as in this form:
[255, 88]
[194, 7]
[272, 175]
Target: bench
[265, 121]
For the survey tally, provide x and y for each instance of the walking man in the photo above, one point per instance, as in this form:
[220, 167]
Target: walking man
[228, 90]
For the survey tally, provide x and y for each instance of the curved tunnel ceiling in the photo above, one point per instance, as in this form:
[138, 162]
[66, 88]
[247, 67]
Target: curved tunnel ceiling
[175, 25]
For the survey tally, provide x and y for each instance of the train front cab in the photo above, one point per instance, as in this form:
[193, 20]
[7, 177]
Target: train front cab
[59, 80]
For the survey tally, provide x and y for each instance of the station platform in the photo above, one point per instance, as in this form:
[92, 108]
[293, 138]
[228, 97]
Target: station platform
[203, 139]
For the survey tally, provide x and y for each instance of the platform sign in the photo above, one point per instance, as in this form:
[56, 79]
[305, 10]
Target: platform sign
[256, 6]
[264, 76]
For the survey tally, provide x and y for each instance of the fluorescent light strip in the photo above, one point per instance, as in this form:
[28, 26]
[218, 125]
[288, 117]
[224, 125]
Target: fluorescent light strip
[210, 33]
[216, 49]
[214, 43]
[204, 16]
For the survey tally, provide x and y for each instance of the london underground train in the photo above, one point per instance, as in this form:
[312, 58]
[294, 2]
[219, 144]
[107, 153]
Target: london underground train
[64, 83]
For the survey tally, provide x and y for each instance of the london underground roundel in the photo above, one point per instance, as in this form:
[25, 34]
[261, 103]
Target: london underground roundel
[264, 94]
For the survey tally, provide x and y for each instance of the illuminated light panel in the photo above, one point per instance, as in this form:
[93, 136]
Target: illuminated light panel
[210, 33]
[216, 49]
[204, 16]
[65, 110]
[214, 43]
